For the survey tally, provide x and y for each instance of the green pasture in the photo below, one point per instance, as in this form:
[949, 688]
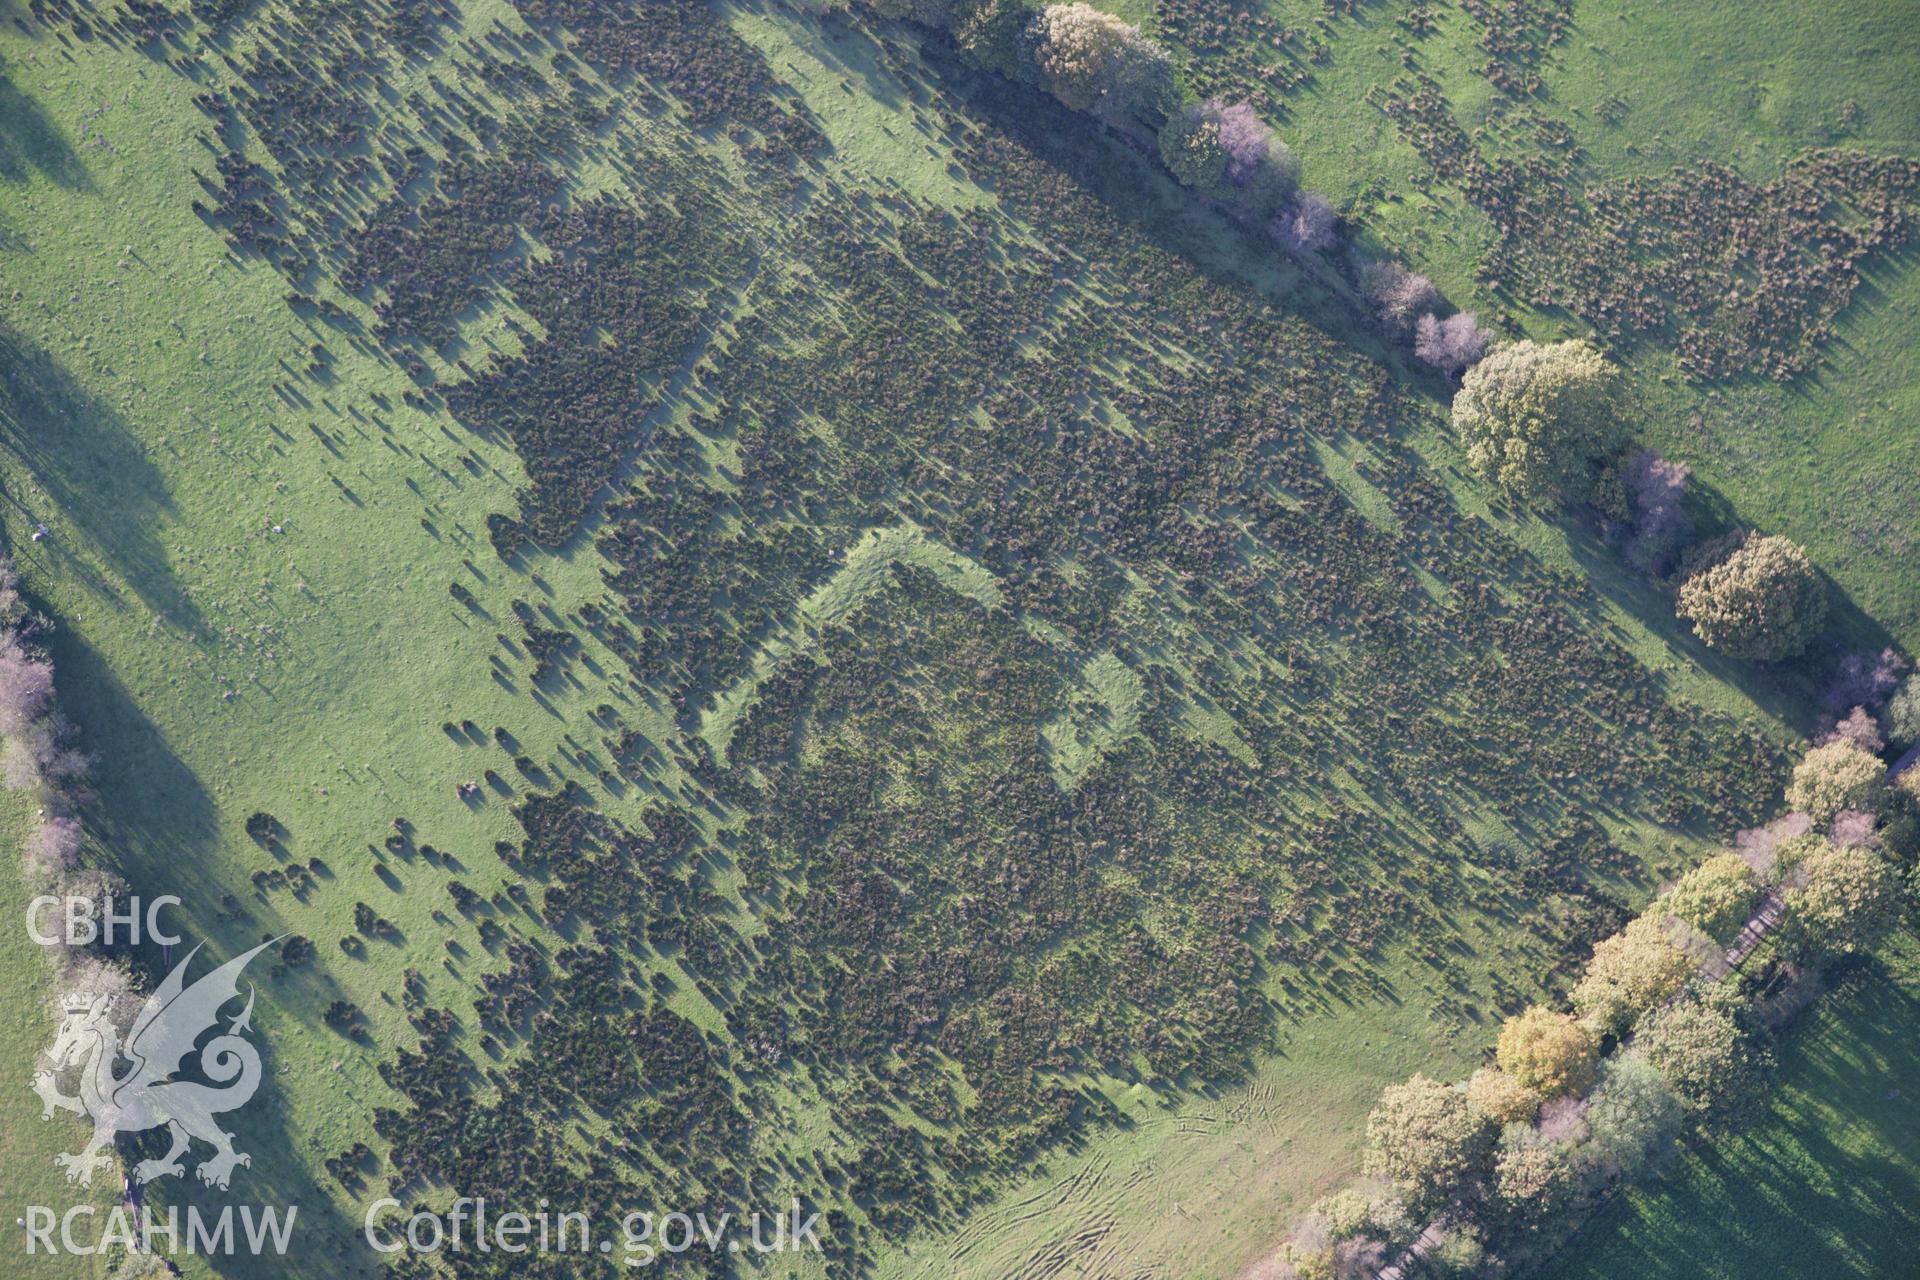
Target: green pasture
[250, 571]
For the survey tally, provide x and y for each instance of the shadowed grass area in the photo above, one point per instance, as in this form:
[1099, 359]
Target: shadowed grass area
[1826, 1183]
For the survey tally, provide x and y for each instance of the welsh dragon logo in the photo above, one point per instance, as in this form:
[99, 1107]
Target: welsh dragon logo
[157, 1046]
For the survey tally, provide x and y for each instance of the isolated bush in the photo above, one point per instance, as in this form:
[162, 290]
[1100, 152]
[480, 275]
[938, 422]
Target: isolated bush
[1546, 1052]
[1399, 296]
[1712, 1064]
[1533, 418]
[1835, 777]
[1426, 1139]
[1844, 903]
[1499, 1099]
[1629, 973]
[1715, 897]
[1094, 61]
[1765, 601]
[1191, 147]
[1633, 1118]
[1451, 345]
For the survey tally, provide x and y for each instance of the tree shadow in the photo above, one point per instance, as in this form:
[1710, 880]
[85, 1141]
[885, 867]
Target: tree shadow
[29, 143]
[160, 830]
[96, 472]
[1787, 691]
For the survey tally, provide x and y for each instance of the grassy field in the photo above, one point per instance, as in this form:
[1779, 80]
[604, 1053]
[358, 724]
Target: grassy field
[250, 549]
[1826, 1183]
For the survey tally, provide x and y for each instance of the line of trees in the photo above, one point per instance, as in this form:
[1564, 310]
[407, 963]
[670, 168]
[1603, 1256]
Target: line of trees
[38, 758]
[1545, 423]
[1578, 1102]
[1098, 63]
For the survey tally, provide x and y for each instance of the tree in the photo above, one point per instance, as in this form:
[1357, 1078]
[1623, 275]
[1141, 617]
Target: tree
[1858, 727]
[1534, 418]
[1851, 827]
[1427, 1140]
[1834, 777]
[1715, 897]
[1651, 492]
[1259, 173]
[1451, 345]
[1307, 225]
[1764, 602]
[1845, 905]
[1461, 1253]
[1629, 973]
[26, 688]
[1712, 1064]
[1546, 1052]
[1532, 1178]
[1865, 679]
[1633, 1118]
[1244, 136]
[1191, 147]
[992, 34]
[1399, 296]
[1093, 61]
[54, 847]
[1903, 713]
[1500, 1099]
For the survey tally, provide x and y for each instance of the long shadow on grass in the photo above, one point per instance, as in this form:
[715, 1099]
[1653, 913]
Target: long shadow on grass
[29, 142]
[159, 829]
[1787, 691]
[94, 469]
[1782, 1197]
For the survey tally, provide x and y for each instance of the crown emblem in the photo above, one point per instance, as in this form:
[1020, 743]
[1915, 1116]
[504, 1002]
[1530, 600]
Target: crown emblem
[76, 1002]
